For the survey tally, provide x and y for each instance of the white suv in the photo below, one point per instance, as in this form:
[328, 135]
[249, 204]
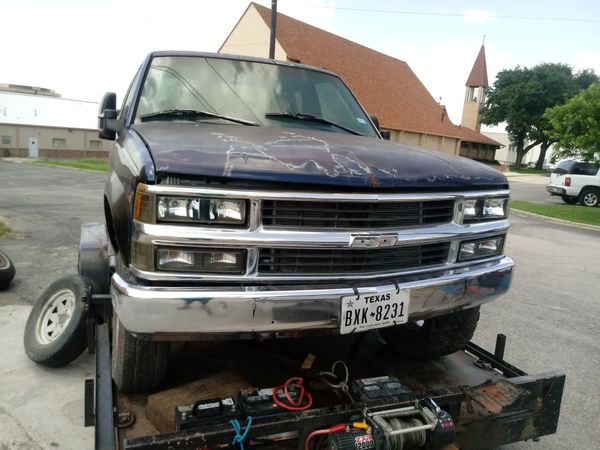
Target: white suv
[576, 181]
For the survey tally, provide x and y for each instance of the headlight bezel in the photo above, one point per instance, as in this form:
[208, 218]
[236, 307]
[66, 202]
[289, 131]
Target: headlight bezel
[149, 207]
[485, 209]
[462, 255]
[218, 268]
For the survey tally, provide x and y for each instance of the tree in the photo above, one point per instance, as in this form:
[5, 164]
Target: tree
[520, 97]
[576, 124]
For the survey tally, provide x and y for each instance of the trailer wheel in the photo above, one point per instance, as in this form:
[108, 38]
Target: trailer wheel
[137, 364]
[433, 337]
[7, 271]
[55, 333]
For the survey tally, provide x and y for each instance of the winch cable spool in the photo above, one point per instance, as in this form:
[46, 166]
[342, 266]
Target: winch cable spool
[413, 439]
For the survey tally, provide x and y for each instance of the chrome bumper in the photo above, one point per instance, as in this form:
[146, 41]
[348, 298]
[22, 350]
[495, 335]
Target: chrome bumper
[197, 313]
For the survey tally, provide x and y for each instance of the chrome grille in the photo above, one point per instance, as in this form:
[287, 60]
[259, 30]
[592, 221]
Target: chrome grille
[343, 261]
[355, 215]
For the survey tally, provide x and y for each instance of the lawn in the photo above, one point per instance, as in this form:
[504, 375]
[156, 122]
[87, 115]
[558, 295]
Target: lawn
[572, 213]
[94, 164]
[531, 170]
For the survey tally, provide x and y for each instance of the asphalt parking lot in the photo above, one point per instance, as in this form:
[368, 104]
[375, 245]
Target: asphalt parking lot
[550, 315]
[531, 188]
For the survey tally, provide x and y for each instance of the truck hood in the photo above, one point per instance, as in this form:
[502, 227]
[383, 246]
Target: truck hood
[306, 156]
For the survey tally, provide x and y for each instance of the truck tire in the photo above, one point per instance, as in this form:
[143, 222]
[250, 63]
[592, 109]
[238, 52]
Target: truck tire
[569, 200]
[7, 271]
[433, 337]
[55, 333]
[137, 364]
[590, 197]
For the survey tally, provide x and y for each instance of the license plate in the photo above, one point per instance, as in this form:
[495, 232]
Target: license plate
[369, 311]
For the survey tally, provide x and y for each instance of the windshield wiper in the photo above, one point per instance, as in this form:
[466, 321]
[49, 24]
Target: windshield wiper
[310, 118]
[191, 114]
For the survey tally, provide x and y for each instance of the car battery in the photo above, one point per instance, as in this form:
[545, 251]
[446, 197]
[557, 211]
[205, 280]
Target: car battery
[259, 403]
[379, 388]
[205, 412]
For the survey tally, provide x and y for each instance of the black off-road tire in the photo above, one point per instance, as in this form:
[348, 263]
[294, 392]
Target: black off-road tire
[569, 200]
[55, 333]
[137, 365]
[590, 197]
[435, 337]
[7, 271]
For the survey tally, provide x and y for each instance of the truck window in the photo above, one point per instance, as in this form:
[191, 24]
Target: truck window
[248, 90]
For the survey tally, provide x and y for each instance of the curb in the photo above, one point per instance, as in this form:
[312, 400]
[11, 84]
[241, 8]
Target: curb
[583, 226]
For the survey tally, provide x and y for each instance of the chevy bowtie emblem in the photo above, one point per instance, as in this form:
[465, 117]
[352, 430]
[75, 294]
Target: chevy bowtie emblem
[384, 240]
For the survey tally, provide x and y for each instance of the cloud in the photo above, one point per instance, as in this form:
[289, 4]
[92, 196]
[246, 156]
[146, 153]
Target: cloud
[478, 15]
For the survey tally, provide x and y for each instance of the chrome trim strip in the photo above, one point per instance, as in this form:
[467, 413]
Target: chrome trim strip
[185, 235]
[268, 310]
[319, 196]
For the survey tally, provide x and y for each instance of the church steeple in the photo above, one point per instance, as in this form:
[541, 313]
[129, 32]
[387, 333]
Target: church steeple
[475, 92]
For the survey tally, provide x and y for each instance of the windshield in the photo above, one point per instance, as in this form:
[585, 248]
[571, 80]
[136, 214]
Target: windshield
[249, 91]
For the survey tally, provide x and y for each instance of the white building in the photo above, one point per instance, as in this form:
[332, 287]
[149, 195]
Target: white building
[37, 122]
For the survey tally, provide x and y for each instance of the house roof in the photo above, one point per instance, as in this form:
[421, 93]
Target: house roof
[467, 134]
[478, 75]
[384, 85]
[40, 110]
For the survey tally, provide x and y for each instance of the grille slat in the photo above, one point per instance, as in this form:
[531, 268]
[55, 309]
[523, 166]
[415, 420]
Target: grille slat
[350, 215]
[278, 261]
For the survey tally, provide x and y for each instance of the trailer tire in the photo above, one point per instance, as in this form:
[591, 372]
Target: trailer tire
[435, 337]
[7, 271]
[55, 333]
[137, 364]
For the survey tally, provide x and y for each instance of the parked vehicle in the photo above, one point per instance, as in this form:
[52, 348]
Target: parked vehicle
[576, 181]
[252, 198]
[7, 271]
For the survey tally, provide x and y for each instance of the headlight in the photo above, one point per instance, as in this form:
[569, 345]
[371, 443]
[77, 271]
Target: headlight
[219, 211]
[200, 210]
[480, 209]
[201, 260]
[481, 248]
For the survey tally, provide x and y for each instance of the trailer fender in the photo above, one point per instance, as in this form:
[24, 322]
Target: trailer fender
[95, 253]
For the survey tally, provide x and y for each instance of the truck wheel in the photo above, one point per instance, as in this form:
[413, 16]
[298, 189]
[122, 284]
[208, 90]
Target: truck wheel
[433, 337]
[137, 364]
[55, 333]
[589, 197]
[569, 200]
[7, 271]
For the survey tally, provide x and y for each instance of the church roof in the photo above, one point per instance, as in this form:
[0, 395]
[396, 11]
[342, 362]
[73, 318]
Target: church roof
[478, 75]
[385, 86]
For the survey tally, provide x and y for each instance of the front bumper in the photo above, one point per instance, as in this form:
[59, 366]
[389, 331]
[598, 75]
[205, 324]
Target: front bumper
[217, 312]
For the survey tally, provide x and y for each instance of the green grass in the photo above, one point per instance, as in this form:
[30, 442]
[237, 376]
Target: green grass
[5, 231]
[97, 165]
[572, 213]
[531, 170]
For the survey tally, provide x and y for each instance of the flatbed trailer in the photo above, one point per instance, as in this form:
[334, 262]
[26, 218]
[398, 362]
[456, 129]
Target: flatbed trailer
[491, 402]
[472, 399]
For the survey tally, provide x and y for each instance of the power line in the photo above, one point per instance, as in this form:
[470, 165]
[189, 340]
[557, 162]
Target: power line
[463, 15]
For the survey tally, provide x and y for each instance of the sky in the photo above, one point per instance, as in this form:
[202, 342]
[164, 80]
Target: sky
[83, 48]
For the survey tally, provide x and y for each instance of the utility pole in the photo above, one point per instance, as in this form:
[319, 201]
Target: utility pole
[273, 29]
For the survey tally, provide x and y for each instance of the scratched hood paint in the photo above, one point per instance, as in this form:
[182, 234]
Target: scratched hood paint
[297, 155]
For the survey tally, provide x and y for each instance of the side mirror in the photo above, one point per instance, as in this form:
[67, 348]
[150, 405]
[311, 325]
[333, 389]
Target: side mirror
[108, 122]
[384, 134]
